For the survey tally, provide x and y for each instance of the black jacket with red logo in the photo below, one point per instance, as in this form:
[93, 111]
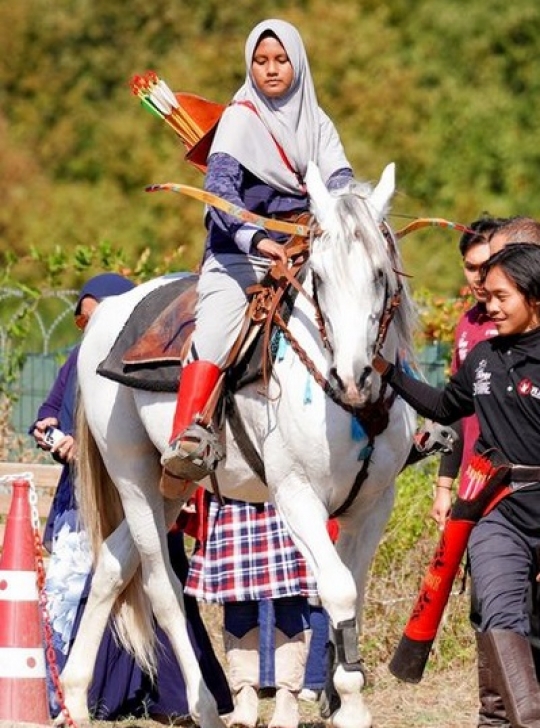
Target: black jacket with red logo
[499, 381]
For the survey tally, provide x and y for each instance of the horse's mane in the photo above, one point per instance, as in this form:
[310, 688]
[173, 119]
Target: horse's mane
[353, 214]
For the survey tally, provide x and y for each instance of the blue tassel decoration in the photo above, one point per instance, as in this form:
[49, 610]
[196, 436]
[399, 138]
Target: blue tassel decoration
[357, 431]
[282, 347]
[308, 397]
[365, 453]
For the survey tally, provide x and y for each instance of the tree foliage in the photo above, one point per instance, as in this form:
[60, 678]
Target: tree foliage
[446, 90]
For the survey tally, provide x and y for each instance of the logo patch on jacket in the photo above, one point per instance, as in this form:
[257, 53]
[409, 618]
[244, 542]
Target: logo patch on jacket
[527, 389]
[482, 384]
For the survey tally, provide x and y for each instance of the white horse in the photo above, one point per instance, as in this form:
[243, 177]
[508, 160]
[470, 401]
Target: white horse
[312, 430]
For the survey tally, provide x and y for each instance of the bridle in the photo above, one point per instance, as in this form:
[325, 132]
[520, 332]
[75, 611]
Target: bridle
[373, 416]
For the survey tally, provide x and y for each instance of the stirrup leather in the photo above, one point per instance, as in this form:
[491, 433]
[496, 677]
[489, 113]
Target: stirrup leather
[194, 454]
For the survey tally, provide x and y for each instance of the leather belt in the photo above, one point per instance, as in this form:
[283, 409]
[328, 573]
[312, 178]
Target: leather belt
[524, 473]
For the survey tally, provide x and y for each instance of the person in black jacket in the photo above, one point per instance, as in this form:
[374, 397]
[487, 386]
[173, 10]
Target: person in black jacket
[500, 382]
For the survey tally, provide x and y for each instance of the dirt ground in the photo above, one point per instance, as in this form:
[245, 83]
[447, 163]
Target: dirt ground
[445, 700]
[441, 700]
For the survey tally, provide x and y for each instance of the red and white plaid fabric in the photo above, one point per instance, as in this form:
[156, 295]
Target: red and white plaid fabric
[248, 555]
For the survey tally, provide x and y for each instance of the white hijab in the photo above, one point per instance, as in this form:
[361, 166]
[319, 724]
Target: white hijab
[295, 121]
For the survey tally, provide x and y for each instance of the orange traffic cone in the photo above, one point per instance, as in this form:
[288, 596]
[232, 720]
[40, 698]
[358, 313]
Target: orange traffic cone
[23, 687]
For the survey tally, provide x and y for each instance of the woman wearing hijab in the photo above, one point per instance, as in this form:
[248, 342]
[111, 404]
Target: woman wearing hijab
[119, 687]
[258, 160]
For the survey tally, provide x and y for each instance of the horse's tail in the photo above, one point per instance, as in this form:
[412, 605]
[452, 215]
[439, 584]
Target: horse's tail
[101, 512]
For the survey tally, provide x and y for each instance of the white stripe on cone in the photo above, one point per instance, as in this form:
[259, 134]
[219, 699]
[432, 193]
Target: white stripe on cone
[22, 662]
[18, 586]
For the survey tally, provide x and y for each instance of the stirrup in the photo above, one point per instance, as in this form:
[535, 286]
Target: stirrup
[435, 438]
[194, 454]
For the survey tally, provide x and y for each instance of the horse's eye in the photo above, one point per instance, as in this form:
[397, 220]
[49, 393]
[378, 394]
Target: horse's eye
[379, 275]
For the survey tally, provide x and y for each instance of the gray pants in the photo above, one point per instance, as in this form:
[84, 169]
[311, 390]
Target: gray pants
[502, 562]
[222, 303]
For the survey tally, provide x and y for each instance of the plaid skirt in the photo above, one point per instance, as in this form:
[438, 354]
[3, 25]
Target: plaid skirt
[248, 555]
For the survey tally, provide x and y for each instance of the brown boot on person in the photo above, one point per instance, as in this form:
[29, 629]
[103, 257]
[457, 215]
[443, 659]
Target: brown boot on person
[492, 711]
[510, 657]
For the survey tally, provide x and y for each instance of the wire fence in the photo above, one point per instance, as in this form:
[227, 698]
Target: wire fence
[36, 334]
[33, 386]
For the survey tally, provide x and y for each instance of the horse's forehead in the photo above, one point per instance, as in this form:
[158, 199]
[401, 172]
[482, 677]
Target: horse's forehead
[352, 273]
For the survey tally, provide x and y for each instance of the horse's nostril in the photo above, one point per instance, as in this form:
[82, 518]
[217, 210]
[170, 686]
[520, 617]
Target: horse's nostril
[335, 376]
[365, 374]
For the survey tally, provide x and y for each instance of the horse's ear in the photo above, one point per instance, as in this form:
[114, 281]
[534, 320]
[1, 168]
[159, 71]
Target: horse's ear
[384, 191]
[319, 196]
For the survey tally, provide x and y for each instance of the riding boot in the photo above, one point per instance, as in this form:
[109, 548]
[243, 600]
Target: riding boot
[194, 450]
[243, 660]
[290, 666]
[492, 712]
[514, 675]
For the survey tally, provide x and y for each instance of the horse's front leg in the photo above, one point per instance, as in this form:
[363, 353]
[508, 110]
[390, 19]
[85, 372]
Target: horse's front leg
[361, 530]
[117, 562]
[306, 519]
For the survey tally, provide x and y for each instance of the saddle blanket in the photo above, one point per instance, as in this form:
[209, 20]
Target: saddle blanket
[148, 352]
[161, 372]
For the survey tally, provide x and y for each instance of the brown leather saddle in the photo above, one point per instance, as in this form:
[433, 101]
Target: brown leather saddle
[167, 338]
[149, 351]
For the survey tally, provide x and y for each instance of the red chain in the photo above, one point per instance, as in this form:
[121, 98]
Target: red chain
[47, 629]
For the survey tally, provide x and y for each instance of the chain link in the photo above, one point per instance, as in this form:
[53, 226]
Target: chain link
[50, 654]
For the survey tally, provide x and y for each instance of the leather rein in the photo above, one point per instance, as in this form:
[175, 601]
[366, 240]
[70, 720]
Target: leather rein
[374, 416]
[287, 276]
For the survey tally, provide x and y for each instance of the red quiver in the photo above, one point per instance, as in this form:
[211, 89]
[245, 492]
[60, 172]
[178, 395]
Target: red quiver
[486, 486]
[206, 114]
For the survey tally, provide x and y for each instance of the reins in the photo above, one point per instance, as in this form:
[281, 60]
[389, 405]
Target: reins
[264, 306]
[392, 304]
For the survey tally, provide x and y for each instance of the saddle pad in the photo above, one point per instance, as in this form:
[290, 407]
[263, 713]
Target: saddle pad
[156, 367]
[155, 375]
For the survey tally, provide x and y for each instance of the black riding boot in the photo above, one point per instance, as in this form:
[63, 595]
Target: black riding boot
[511, 660]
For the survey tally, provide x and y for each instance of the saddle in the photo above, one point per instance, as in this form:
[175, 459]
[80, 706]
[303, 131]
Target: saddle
[149, 351]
